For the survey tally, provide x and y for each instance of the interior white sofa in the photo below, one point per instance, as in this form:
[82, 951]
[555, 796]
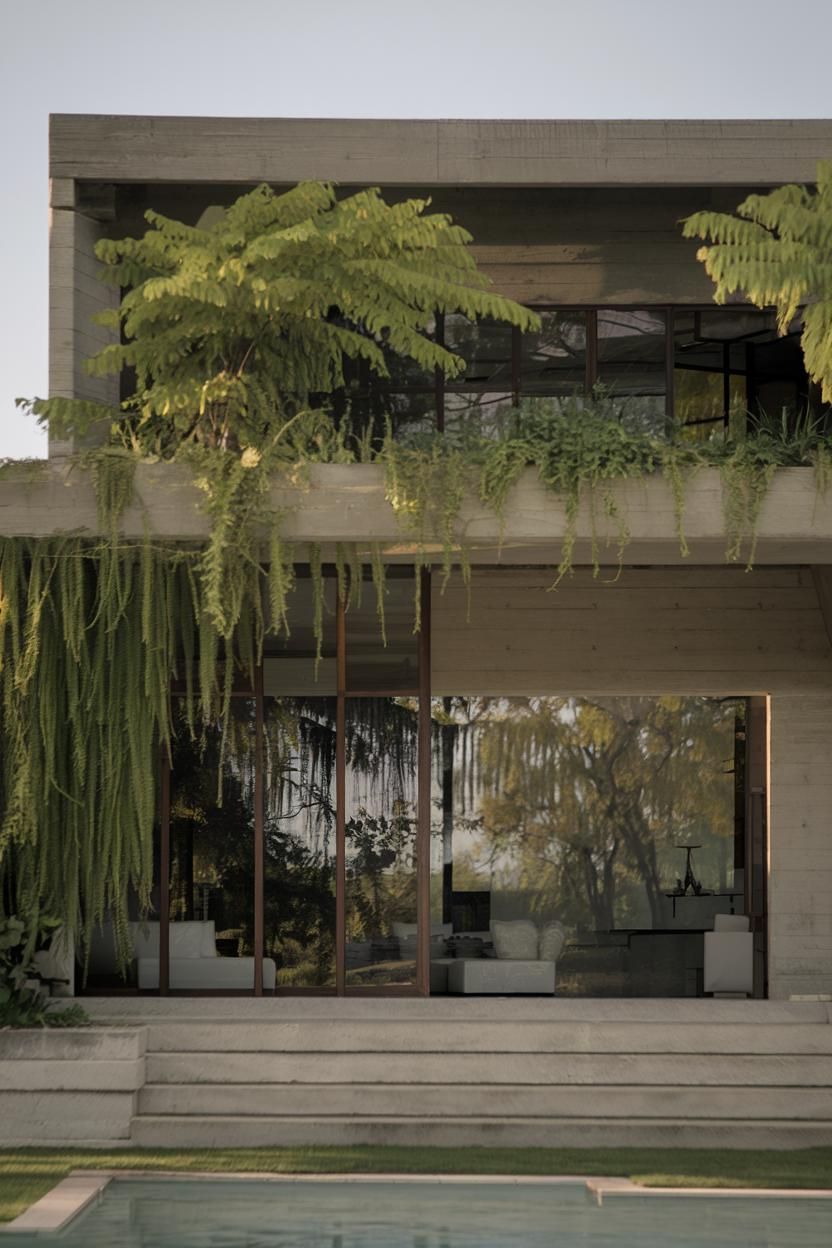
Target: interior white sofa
[194, 963]
[524, 963]
[729, 956]
[501, 976]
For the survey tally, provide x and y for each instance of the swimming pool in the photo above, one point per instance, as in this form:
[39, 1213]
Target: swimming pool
[241, 1213]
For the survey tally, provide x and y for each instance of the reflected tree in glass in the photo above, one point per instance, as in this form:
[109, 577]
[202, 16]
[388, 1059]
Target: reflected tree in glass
[573, 807]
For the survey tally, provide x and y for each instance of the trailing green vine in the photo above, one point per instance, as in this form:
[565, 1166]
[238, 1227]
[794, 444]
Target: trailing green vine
[237, 336]
[93, 629]
[582, 449]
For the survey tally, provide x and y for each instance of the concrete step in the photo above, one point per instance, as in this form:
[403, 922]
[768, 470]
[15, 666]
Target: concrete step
[719, 1070]
[484, 1036]
[490, 1101]
[44, 1117]
[239, 1010]
[240, 1131]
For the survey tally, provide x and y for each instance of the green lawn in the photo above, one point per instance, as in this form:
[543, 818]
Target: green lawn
[26, 1173]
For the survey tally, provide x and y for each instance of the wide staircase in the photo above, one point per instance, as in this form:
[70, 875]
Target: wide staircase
[464, 1072]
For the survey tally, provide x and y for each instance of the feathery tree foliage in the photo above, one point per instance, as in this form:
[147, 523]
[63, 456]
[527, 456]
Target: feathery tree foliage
[777, 250]
[233, 329]
[233, 338]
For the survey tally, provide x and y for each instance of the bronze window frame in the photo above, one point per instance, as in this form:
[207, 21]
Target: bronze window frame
[255, 690]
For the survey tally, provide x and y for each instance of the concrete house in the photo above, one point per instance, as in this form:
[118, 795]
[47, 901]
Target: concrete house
[553, 829]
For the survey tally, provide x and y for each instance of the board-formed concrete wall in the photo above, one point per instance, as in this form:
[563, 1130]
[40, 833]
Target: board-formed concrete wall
[64, 1086]
[452, 153]
[716, 631]
[76, 294]
[566, 212]
[800, 880]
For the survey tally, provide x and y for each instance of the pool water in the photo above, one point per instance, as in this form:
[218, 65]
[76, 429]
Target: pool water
[232, 1213]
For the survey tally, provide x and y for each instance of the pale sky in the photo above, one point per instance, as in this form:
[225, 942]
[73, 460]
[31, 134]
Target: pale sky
[364, 58]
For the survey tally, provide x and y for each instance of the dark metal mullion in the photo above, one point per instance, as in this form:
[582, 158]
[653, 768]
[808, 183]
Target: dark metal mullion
[423, 795]
[340, 800]
[706, 420]
[439, 376]
[688, 366]
[591, 348]
[259, 822]
[516, 356]
[669, 366]
[164, 875]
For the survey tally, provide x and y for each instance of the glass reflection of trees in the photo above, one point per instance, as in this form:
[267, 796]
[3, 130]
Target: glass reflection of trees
[299, 839]
[381, 841]
[300, 829]
[212, 829]
[576, 805]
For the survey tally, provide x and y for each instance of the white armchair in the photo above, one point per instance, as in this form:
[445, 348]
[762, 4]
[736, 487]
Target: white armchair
[729, 956]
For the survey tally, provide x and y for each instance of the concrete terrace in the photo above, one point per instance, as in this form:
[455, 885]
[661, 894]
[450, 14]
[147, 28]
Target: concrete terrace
[208, 1072]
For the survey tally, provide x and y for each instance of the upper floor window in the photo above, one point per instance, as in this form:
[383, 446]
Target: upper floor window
[705, 369]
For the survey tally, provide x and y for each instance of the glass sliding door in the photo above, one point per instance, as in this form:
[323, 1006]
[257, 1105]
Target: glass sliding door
[294, 852]
[299, 841]
[341, 821]
[380, 836]
[299, 837]
[211, 899]
[381, 822]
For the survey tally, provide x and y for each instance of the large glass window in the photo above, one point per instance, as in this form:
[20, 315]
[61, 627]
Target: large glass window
[405, 400]
[299, 840]
[299, 851]
[484, 413]
[553, 361]
[486, 347]
[705, 369]
[581, 815]
[612, 829]
[479, 401]
[380, 834]
[632, 366]
[730, 363]
[709, 378]
[211, 899]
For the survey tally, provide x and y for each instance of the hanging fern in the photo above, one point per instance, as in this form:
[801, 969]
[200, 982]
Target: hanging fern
[235, 346]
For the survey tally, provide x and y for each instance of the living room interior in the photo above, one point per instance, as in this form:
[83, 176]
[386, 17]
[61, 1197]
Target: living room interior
[582, 846]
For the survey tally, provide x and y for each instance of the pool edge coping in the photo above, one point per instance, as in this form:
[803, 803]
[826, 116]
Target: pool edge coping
[69, 1198]
[61, 1204]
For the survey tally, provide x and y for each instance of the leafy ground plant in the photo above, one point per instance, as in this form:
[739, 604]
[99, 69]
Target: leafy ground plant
[22, 1001]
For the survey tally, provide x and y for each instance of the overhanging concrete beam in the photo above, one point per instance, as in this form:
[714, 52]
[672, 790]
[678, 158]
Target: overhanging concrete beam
[282, 150]
[347, 503]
